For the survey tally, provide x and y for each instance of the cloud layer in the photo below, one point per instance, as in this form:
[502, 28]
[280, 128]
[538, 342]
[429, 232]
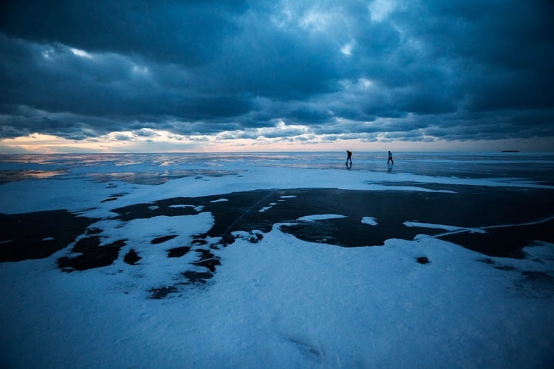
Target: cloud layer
[372, 70]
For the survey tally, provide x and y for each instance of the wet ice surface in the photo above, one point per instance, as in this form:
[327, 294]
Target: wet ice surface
[535, 166]
[277, 264]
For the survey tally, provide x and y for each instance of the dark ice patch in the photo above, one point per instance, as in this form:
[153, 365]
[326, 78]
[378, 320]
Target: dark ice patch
[207, 260]
[250, 237]
[113, 197]
[38, 235]
[177, 252]
[195, 277]
[162, 239]
[199, 241]
[91, 231]
[159, 208]
[465, 207]
[162, 292]
[504, 241]
[131, 257]
[93, 255]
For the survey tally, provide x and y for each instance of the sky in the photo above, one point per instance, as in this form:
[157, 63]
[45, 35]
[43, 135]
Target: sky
[289, 75]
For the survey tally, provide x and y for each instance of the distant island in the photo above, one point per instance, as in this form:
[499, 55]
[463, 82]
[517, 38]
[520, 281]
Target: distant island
[510, 150]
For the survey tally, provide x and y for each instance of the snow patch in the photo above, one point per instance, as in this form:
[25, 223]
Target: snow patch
[316, 217]
[369, 220]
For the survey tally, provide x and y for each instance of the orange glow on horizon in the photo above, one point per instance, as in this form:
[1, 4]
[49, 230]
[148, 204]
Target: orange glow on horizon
[161, 141]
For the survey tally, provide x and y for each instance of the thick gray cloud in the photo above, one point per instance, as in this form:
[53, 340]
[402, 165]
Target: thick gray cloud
[398, 70]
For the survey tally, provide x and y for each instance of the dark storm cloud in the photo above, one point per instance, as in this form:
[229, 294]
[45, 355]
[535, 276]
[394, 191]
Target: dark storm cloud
[416, 70]
[174, 31]
[501, 49]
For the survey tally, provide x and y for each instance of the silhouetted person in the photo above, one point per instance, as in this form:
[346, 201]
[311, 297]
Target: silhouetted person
[348, 157]
[390, 159]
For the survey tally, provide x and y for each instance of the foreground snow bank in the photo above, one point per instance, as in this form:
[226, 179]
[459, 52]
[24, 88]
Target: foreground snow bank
[283, 303]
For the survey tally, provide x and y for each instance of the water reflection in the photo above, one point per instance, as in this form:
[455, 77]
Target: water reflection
[20, 175]
[159, 168]
[158, 177]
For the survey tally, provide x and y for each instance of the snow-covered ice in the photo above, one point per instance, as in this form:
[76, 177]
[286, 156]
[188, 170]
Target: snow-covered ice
[274, 300]
[369, 220]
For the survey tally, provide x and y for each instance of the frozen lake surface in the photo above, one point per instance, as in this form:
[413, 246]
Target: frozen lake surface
[277, 260]
[537, 166]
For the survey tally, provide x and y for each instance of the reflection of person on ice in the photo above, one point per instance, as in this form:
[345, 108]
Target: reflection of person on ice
[390, 159]
[348, 157]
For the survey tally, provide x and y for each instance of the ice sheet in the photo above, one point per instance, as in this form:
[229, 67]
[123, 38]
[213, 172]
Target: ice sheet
[275, 301]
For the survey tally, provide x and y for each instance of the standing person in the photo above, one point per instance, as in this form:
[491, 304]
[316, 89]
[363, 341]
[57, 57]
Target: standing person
[390, 159]
[348, 157]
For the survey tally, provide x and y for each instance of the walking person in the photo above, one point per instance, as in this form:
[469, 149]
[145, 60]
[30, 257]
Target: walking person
[390, 159]
[348, 157]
